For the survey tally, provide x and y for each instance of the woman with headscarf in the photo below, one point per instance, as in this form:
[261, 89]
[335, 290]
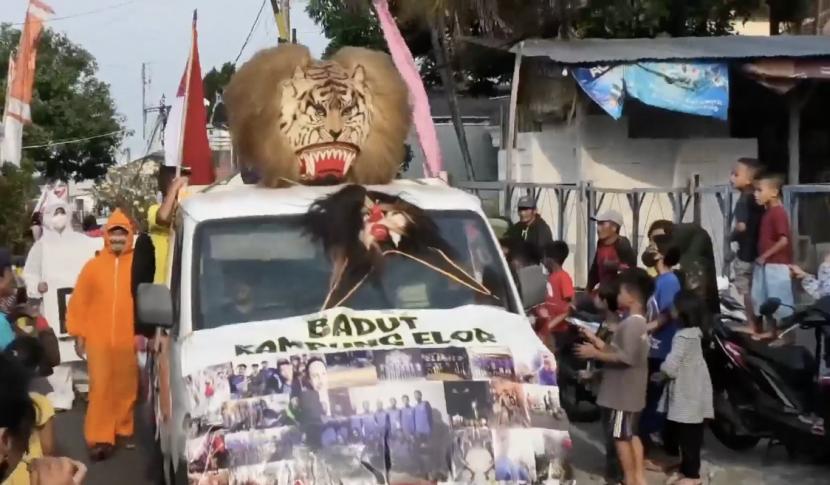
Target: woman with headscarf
[101, 319]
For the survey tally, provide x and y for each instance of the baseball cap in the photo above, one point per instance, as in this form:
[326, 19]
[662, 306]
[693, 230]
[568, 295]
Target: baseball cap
[609, 216]
[527, 202]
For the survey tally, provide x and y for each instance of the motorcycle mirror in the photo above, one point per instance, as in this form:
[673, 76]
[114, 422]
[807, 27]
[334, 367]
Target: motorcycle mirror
[770, 306]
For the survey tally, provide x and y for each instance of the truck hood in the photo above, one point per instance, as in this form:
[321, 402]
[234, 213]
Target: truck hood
[467, 395]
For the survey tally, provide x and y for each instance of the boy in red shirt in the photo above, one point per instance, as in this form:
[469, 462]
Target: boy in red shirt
[560, 290]
[771, 276]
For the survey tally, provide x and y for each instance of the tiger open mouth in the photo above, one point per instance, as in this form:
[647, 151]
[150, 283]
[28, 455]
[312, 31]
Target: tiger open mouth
[326, 160]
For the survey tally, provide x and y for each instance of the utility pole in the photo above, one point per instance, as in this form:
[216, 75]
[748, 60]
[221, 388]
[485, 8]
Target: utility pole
[282, 16]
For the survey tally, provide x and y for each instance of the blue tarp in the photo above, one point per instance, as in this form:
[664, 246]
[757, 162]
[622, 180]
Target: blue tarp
[696, 88]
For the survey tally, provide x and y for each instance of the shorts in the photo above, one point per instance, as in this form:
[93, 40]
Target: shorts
[742, 272]
[773, 280]
[624, 425]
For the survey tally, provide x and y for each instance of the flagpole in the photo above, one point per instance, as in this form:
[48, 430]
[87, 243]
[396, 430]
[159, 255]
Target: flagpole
[186, 95]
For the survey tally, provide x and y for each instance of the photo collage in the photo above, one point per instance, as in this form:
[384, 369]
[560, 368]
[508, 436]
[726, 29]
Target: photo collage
[407, 415]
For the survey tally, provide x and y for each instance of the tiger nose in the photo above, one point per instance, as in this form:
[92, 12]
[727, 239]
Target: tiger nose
[335, 133]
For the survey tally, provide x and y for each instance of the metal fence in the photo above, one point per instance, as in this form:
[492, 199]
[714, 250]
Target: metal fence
[568, 209]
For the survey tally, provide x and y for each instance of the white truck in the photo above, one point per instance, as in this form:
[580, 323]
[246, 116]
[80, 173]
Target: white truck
[418, 382]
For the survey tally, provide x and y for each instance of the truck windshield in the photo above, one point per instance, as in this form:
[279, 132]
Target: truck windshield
[266, 268]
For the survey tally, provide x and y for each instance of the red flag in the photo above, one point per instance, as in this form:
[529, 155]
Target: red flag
[195, 149]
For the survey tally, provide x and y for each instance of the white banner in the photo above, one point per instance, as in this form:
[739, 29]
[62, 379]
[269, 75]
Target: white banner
[458, 396]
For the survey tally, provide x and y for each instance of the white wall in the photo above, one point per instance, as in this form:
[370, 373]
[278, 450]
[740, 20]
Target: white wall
[596, 149]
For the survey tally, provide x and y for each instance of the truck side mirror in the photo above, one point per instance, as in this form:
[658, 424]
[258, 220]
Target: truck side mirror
[154, 305]
[532, 285]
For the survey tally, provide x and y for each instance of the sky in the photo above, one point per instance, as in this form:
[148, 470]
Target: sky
[123, 34]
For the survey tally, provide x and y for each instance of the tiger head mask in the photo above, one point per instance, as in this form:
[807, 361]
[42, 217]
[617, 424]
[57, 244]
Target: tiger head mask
[296, 119]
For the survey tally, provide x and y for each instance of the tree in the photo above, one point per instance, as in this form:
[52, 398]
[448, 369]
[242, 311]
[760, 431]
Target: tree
[130, 187]
[215, 82]
[17, 184]
[69, 103]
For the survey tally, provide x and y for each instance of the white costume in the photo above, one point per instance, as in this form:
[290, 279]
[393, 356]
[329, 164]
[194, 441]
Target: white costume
[57, 259]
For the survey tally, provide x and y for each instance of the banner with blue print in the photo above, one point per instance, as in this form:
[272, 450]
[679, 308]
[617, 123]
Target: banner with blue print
[696, 88]
[604, 84]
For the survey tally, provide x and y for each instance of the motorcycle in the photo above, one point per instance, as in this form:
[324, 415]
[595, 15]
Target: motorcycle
[768, 391]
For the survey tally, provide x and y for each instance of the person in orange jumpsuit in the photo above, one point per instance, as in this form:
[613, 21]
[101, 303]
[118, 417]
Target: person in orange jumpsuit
[100, 317]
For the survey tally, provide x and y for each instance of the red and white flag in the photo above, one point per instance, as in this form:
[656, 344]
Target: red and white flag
[185, 136]
[20, 82]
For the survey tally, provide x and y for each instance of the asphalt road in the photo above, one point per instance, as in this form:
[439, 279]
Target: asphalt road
[722, 466]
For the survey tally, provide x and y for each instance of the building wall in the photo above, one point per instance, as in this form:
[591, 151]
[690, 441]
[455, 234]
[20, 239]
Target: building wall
[597, 149]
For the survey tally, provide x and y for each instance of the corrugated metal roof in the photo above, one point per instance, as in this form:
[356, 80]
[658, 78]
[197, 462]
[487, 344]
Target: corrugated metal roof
[597, 51]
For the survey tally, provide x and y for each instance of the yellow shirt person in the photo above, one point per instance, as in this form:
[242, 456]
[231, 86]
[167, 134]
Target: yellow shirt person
[45, 412]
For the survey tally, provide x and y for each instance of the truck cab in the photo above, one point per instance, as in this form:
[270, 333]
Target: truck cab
[246, 290]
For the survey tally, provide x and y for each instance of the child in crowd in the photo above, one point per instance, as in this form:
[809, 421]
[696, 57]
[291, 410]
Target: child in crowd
[771, 276]
[661, 327]
[687, 398]
[605, 300]
[622, 390]
[560, 292]
[28, 352]
[745, 233]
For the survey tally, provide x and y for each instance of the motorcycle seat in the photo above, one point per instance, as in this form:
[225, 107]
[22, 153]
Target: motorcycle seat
[793, 358]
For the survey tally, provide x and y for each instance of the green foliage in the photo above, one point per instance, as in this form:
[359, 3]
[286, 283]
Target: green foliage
[69, 102]
[648, 18]
[18, 189]
[346, 25]
[215, 81]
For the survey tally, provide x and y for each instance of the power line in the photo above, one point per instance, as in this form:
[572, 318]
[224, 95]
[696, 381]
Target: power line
[250, 32]
[74, 140]
[88, 12]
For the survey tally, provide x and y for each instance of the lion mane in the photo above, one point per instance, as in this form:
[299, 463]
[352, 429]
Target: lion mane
[357, 94]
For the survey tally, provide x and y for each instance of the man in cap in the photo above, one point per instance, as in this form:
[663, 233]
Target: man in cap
[531, 228]
[614, 252]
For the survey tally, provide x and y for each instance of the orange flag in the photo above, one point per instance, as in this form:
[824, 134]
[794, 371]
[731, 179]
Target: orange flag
[21, 82]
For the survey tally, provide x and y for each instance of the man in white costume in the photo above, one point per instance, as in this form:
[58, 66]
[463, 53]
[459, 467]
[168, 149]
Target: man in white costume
[51, 269]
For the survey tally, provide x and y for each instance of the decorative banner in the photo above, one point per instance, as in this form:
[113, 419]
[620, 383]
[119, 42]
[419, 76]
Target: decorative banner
[694, 88]
[603, 84]
[460, 396]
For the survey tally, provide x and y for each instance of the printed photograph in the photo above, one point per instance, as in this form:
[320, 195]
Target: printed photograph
[515, 452]
[473, 460]
[509, 406]
[399, 364]
[207, 390]
[349, 369]
[254, 375]
[491, 362]
[543, 405]
[221, 477]
[260, 447]
[551, 463]
[257, 413]
[536, 367]
[468, 403]
[207, 453]
[446, 364]
[415, 415]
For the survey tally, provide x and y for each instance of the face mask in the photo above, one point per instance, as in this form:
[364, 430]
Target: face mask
[59, 221]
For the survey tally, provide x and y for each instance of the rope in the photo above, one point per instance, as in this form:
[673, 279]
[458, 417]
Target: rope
[83, 14]
[74, 140]
[250, 32]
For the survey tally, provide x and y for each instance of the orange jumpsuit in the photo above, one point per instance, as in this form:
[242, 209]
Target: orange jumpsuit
[101, 311]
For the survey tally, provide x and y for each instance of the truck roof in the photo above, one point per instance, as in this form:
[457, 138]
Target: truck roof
[233, 201]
